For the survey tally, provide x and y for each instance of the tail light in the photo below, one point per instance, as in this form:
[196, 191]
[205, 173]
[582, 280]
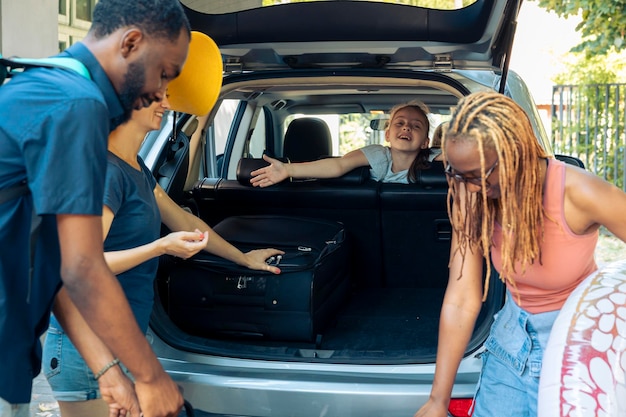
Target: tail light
[460, 407]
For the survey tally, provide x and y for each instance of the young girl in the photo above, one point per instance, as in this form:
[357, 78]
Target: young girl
[537, 220]
[134, 207]
[407, 134]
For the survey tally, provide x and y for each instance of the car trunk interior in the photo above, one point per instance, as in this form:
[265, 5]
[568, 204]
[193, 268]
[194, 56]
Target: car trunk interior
[398, 235]
[375, 326]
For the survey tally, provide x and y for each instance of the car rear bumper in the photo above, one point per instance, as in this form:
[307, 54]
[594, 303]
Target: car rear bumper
[235, 387]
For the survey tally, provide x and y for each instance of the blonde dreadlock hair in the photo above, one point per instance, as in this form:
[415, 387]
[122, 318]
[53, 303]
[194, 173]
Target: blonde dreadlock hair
[496, 122]
[421, 159]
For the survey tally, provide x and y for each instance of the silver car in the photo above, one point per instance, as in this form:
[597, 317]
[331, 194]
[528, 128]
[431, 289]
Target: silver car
[345, 63]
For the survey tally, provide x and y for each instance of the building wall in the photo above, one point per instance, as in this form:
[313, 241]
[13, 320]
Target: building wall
[28, 28]
[38, 28]
[71, 27]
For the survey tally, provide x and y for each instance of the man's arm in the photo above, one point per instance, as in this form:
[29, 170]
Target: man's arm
[98, 296]
[116, 389]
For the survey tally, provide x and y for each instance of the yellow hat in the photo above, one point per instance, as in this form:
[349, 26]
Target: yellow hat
[196, 89]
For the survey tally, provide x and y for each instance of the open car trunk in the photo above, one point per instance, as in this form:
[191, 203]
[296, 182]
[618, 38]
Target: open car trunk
[315, 59]
[376, 325]
[398, 254]
[397, 235]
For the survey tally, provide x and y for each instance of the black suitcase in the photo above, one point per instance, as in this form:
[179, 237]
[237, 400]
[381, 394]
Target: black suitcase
[208, 295]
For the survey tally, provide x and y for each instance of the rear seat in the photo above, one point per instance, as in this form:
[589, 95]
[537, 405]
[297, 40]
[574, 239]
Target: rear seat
[415, 231]
[383, 221]
[352, 200]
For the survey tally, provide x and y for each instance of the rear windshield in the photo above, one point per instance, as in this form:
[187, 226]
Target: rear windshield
[352, 131]
[231, 6]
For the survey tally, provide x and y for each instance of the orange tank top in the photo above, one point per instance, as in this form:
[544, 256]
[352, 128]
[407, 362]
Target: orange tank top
[566, 258]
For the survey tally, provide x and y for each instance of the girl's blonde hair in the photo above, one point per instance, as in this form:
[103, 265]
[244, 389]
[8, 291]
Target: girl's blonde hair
[421, 159]
[496, 123]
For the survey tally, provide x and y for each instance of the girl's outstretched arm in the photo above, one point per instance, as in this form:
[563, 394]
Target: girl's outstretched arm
[278, 171]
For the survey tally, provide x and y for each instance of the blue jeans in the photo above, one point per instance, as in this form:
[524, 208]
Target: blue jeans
[509, 380]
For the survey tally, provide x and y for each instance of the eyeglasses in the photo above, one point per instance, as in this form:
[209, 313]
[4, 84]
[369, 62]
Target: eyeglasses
[472, 180]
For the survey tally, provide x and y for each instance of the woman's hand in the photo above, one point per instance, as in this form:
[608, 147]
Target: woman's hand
[269, 175]
[184, 244]
[432, 409]
[256, 259]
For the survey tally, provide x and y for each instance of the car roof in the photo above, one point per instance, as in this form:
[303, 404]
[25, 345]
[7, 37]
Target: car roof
[360, 34]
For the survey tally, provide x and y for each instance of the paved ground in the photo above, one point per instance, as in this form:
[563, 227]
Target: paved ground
[42, 403]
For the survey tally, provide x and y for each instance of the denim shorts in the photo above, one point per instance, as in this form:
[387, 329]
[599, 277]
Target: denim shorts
[68, 375]
[509, 380]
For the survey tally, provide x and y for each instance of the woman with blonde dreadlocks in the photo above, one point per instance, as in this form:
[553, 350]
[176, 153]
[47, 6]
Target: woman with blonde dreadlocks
[537, 220]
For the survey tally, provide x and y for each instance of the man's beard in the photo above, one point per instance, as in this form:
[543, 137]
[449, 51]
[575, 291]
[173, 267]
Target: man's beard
[134, 82]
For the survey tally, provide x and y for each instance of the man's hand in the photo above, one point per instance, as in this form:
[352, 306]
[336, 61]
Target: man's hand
[119, 393]
[160, 397]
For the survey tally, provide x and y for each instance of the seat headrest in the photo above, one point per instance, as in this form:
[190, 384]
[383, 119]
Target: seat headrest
[245, 166]
[433, 177]
[307, 139]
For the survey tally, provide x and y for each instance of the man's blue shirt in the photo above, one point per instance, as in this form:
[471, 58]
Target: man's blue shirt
[53, 134]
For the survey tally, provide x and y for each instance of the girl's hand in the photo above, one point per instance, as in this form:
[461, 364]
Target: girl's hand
[270, 175]
[184, 244]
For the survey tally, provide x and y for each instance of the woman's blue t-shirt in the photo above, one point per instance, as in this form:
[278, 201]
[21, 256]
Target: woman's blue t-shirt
[129, 194]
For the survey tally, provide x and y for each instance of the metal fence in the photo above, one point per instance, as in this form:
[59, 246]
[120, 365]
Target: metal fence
[588, 121]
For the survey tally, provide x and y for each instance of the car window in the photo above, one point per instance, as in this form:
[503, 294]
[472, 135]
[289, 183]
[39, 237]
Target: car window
[257, 143]
[222, 123]
[356, 130]
[217, 136]
[348, 131]
[220, 7]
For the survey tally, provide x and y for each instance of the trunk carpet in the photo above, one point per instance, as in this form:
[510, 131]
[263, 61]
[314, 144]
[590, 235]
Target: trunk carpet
[387, 320]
